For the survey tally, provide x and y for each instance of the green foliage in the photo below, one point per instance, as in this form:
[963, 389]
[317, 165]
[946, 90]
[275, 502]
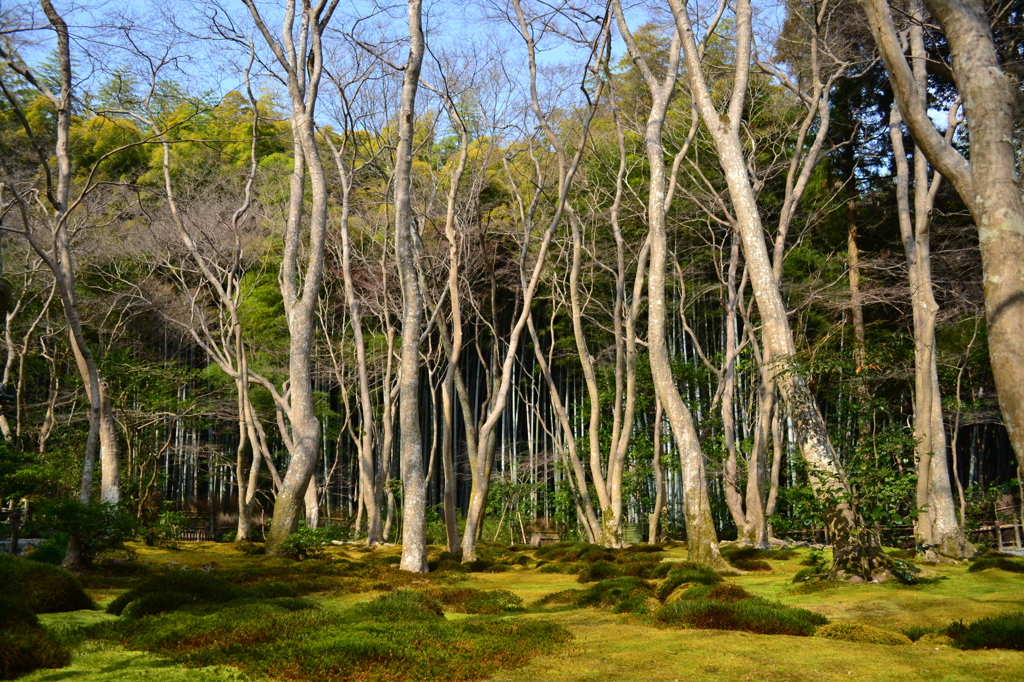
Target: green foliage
[44, 588]
[309, 543]
[167, 530]
[51, 551]
[98, 527]
[997, 632]
[858, 632]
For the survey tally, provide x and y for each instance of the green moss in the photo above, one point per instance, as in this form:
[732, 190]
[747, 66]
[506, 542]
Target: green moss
[686, 573]
[474, 601]
[858, 632]
[1001, 563]
[751, 615]
[45, 588]
[599, 570]
[614, 591]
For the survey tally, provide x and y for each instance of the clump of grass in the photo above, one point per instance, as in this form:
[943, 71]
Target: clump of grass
[916, 632]
[569, 552]
[643, 548]
[561, 597]
[858, 632]
[397, 637]
[474, 601]
[751, 615]
[686, 572]
[1001, 562]
[751, 565]
[815, 586]
[44, 588]
[997, 632]
[613, 591]
[599, 570]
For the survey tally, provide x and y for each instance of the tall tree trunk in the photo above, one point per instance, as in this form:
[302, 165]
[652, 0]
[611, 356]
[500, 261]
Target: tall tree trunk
[856, 550]
[110, 489]
[414, 494]
[987, 183]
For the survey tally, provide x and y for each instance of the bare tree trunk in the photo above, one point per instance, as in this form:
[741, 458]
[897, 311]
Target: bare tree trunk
[702, 541]
[987, 183]
[312, 503]
[659, 477]
[938, 533]
[856, 550]
[110, 490]
[414, 497]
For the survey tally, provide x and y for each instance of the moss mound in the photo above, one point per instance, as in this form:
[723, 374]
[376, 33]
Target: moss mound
[24, 646]
[686, 572]
[751, 615]
[599, 570]
[857, 632]
[170, 591]
[44, 588]
[997, 632]
[399, 636]
[613, 592]
[1000, 562]
[474, 601]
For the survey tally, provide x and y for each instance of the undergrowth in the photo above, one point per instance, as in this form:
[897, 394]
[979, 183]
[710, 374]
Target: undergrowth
[402, 635]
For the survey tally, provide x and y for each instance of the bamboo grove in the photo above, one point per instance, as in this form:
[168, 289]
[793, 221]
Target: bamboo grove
[702, 270]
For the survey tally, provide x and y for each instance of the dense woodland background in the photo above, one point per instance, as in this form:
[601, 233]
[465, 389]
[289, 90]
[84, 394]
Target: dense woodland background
[182, 188]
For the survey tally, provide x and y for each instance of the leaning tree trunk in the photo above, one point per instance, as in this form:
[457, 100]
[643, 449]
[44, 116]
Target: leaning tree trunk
[856, 550]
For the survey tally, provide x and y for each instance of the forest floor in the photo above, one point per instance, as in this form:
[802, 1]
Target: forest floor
[607, 645]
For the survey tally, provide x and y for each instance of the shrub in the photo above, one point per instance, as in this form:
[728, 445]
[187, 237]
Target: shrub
[727, 592]
[638, 604]
[915, 632]
[167, 530]
[561, 597]
[51, 551]
[752, 615]
[997, 632]
[858, 632]
[44, 588]
[309, 543]
[98, 527]
[599, 570]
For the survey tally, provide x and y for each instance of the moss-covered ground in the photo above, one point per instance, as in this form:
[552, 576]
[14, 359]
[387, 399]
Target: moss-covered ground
[346, 591]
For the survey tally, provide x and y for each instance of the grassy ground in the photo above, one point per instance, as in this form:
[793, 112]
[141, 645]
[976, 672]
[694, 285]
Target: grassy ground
[608, 646]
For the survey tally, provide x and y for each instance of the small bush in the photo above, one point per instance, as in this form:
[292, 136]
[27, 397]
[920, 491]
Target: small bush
[638, 604]
[599, 570]
[727, 592]
[561, 597]
[1002, 563]
[44, 588]
[309, 543]
[644, 548]
[52, 551]
[915, 632]
[157, 602]
[858, 632]
[815, 558]
[997, 632]
[98, 527]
